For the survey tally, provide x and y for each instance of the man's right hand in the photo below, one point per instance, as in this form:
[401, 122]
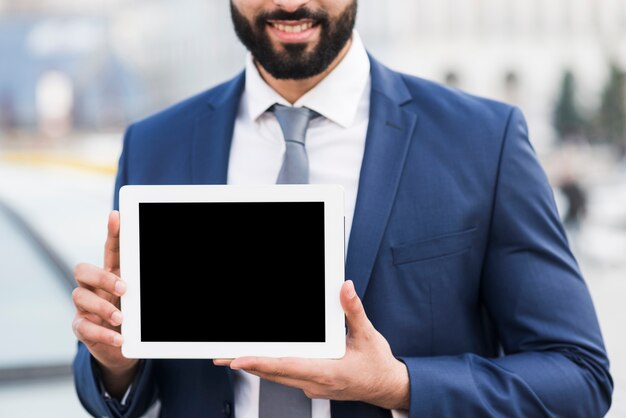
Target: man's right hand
[98, 317]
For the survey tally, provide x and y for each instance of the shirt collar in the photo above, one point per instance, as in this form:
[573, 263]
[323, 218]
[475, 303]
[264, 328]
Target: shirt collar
[345, 84]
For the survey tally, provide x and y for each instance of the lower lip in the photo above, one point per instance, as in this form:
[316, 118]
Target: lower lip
[293, 37]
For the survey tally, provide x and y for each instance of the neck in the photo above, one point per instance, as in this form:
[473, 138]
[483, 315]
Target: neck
[292, 90]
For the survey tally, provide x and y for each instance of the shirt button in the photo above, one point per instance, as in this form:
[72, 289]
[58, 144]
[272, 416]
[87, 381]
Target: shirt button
[227, 409]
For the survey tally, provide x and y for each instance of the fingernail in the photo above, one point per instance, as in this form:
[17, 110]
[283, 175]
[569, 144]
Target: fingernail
[351, 292]
[118, 340]
[120, 287]
[233, 365]
[117, 317]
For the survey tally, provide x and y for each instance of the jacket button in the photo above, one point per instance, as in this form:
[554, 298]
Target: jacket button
[227, 409]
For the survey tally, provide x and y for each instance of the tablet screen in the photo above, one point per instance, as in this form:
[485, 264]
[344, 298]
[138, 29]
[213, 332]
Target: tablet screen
[232, 271]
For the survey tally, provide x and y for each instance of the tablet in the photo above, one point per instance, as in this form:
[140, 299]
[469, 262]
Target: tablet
[223, 271]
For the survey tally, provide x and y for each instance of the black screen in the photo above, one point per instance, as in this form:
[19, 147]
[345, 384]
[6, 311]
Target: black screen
[232, 272]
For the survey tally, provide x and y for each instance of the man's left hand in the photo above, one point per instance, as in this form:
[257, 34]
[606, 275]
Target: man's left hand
[368, 372]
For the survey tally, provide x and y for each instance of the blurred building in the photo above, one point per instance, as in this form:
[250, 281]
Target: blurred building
[141, 55]
[179, 47]
[514, 50]
[38, 39]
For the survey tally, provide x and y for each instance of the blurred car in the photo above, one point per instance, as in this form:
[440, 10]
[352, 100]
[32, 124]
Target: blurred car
[36, 313]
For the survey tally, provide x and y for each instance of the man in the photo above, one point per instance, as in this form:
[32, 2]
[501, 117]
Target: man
[462, 298]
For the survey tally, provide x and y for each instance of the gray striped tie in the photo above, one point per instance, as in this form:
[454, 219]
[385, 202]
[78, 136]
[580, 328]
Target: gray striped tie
[276, 400]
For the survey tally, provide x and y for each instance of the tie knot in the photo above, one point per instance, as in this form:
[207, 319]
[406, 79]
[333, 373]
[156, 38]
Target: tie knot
[293, 121]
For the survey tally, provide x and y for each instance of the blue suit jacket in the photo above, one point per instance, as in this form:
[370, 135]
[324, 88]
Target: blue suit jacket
[456, 249]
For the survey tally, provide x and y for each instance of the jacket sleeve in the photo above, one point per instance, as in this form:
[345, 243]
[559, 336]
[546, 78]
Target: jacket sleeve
[554, 363]
[92, 396]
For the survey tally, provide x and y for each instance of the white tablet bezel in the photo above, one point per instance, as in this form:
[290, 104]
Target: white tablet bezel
[333, 198]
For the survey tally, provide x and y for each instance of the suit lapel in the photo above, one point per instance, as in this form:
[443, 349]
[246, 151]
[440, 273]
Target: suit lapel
[213, 131]
[388, 137]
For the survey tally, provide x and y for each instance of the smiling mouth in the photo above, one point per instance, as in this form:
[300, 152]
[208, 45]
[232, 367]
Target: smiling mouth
[287, 26]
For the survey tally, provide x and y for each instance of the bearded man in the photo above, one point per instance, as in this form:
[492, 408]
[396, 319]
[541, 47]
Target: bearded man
[463, 298]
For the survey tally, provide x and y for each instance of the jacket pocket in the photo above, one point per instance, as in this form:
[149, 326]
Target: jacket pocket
[447, 245]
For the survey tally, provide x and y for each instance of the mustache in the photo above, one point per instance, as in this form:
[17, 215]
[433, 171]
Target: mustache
[320, 16]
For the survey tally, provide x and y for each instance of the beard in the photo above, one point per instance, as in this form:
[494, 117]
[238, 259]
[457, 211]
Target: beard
[295, 62]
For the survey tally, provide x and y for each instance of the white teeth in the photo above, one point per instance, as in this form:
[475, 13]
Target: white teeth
[293, 28]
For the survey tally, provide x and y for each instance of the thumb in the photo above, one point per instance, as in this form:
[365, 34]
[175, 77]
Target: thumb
[353, 308]
[112, 245]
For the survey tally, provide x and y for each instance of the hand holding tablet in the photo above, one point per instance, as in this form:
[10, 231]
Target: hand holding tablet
[217, 271]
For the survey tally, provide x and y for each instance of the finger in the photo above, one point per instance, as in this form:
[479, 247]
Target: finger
[287, 381]
[285, 367]
[87, 301]
[356, 318]
[222, 362]
[93, 277]
[91, 317]
[112, 244]
[90, 333]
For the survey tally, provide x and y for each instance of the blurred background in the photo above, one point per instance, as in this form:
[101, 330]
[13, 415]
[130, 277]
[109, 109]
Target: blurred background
[74, 73]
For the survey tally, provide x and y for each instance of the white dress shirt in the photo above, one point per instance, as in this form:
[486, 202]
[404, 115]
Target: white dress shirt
[335, 144]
